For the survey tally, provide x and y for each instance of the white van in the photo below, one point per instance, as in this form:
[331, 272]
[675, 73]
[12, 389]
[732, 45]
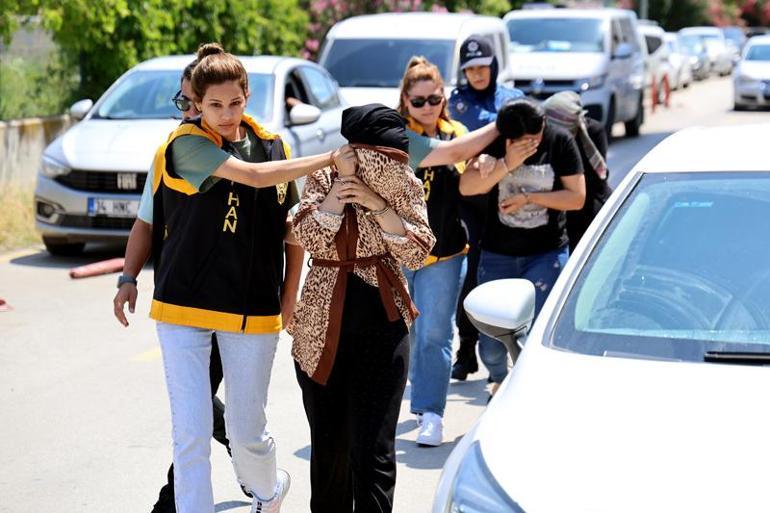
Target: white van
[597, 53]
[367, 55]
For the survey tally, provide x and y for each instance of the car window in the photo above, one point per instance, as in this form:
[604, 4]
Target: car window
[653, 43]
[758, 53]
[381, 62]
[628, 33]
[680, 270]
[322, 90]
[147, 95]
[556, 35]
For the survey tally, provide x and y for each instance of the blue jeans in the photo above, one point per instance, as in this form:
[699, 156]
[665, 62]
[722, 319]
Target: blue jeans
[434, 290]
[542, 270]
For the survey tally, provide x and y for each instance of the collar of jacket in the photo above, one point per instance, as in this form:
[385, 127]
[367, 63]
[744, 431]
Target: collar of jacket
[392, 153]
[452, 127]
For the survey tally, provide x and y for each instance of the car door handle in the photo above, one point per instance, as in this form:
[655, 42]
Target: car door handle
[320, 134]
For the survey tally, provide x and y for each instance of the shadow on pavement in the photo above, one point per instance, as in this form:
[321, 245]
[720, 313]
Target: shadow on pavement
[224, 506]
[472, 392]
[414, 456]
[93, 253]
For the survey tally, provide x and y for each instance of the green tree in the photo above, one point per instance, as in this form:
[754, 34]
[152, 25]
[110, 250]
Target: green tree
[104, 38]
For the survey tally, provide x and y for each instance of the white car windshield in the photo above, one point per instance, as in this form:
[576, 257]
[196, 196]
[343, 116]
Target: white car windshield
[682, 269]
[147, 95]
[381, 62]
[556, 35]
[758, 53]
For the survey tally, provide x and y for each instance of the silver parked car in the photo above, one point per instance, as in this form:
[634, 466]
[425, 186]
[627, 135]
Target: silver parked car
[92, 176]
[751, 78]
[720, 53]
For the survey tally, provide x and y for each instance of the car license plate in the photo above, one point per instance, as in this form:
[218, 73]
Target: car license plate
[112, 207]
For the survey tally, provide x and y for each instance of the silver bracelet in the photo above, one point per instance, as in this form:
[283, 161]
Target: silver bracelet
[378, 212]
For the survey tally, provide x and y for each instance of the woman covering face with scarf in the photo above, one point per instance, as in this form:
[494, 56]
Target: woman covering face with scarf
[566, 110]
[361, 222]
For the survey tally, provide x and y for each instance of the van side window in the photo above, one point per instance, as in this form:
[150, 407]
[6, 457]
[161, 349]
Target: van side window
[629, 34]
[503, 54]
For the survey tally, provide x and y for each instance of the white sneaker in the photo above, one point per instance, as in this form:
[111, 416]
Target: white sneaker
[431, 430]
[274, 504]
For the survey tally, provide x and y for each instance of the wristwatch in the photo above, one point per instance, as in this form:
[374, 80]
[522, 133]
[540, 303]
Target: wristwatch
[124, 278]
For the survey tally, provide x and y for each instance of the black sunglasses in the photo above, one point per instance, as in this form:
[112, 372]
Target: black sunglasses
[181, 102]
[418, 101]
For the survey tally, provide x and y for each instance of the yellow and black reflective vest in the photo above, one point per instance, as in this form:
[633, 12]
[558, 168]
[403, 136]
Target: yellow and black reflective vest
[442, 196]
[218, 255]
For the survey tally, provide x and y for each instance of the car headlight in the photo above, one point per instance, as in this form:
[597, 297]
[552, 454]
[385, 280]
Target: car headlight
[475, 489]
[694, 61]
[51, 168]
[592, 82]
[745, 80]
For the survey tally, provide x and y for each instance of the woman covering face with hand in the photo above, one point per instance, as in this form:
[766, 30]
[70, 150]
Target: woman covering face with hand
[361, 222]
[525, 230]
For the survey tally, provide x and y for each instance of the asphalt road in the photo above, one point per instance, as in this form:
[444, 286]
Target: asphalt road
[86, 426]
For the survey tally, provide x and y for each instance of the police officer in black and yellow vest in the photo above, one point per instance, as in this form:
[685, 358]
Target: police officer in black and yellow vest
[435, 287]
[222, 192]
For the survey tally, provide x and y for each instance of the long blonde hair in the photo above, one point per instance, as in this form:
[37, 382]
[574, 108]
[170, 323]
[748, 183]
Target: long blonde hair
[417, 70]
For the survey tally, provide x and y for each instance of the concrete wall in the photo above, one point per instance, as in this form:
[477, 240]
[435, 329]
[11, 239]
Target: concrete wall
[22, 143]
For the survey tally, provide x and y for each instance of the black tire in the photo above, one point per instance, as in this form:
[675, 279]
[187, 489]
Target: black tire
[610, 119]
[634, 126]
[57, 247]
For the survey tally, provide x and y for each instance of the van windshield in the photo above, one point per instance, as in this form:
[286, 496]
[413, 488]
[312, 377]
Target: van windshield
[381, 62]
[556, 35]
[147, 95]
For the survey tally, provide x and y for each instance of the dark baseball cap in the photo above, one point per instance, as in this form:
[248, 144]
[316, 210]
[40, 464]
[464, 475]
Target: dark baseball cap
[476, 51]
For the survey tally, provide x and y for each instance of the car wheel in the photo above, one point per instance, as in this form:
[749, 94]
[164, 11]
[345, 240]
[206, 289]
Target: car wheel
[57, 247]
[633, 127]
[610, 119]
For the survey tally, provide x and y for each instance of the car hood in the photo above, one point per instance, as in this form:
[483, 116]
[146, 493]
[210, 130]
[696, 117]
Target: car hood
[756, 69]
[105, 144]
[557, 66]
[603, 434]
[113, 145]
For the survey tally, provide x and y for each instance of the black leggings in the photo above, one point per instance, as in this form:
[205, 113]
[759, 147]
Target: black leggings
[353, 417]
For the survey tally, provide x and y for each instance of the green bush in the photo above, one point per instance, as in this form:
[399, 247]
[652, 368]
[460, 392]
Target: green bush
[31, 88]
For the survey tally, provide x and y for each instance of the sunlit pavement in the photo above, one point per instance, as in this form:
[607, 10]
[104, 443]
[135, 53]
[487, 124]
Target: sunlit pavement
[86, 425]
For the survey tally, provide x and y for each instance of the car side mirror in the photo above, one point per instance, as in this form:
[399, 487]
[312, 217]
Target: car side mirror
[503, 310]
[304, 114]
[80, 108]
[623, 51]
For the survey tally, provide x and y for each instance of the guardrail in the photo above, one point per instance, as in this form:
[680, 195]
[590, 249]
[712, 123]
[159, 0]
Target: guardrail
[22, 142]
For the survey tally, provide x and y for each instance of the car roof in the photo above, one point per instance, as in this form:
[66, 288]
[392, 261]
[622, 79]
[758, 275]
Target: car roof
[651, 30]
[413, 25]
[713, 149]
[253, 64]
[701, 30]
[758, 40]
[569, 13]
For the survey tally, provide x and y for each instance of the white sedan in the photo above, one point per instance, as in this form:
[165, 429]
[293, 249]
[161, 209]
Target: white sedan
[91, 177]
[642, 385]
[751, 78]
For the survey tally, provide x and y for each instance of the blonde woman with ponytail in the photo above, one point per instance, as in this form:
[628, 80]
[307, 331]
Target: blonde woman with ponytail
[435, 287]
